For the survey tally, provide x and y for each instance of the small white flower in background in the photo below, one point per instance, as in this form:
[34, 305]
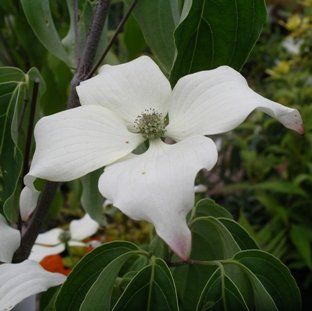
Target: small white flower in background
[20, 280]
[292, 46]
[126, 104]
[54, 241]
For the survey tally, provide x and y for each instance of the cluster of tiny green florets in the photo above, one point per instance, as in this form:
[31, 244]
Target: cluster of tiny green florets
[150, 124]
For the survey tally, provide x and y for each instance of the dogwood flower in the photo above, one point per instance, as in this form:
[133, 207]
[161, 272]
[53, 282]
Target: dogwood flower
[54, 241]
[20, 280]
[127, 104]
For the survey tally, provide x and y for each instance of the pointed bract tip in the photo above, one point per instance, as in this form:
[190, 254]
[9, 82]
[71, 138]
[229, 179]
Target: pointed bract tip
[182, 247]
[300, 129]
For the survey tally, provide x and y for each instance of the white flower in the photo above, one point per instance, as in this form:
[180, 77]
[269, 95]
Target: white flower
[122, 107]
[20, 280]
[54, 241]
[292, 46]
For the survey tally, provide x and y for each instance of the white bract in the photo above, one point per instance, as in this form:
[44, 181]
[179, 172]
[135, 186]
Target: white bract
[126, 104]
[54, 241]
[20, 280]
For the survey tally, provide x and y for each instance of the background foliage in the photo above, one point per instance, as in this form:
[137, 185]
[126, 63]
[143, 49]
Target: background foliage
[264, 174]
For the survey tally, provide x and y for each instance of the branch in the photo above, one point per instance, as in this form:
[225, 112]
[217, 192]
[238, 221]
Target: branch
[47, 195]
[29, 134]
[89, 50]
[93, 38]
[36, 221]
[194, 262]
[113, 39]
[30, 128]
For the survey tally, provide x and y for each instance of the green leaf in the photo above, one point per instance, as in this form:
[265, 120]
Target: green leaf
[15, 123]
[99, 295]
[302, 239]
[151, 289]
[133, 38]
[208, 207]
[211, 240]
[158, 19]
[74, 290]
[249, 287]
[240, 235]
[214, 33]
[271, 282]
[220, 293]
[12, 94]
[47, 299]
[251, 280]
[158, 247]
[282, 187]
[39, 17]
[11, 74]
[91, 199]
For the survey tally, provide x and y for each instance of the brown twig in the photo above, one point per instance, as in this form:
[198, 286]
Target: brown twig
[114, 37]
[193, 262]
[89, 50]
[30, 128]
[36, 221]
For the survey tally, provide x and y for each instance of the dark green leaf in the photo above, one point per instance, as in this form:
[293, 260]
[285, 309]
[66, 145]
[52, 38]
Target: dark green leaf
[240, 235]
[39, 17]
[211, 240]
[157, 20]
[74, 290]
[220, 293]
[12, 94]
[214, 33]
[91, 199]
[133, 39]
[17, 122]
[270, 280]
[99, 295]
[151, 289]
[208, 207]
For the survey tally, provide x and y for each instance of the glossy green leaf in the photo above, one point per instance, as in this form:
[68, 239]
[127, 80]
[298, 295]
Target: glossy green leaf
[208, 207]
[271, 281]
[240, 235]
[251, 280]
[15, 107]
[69, 41]
[158, 19]
[74, 290]
[151, 289]
[133, 39]
[39, 17]
[91, 199]
[214, 33]
[211, 240]
[12, 94]
[99, 295]
[220, 293]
